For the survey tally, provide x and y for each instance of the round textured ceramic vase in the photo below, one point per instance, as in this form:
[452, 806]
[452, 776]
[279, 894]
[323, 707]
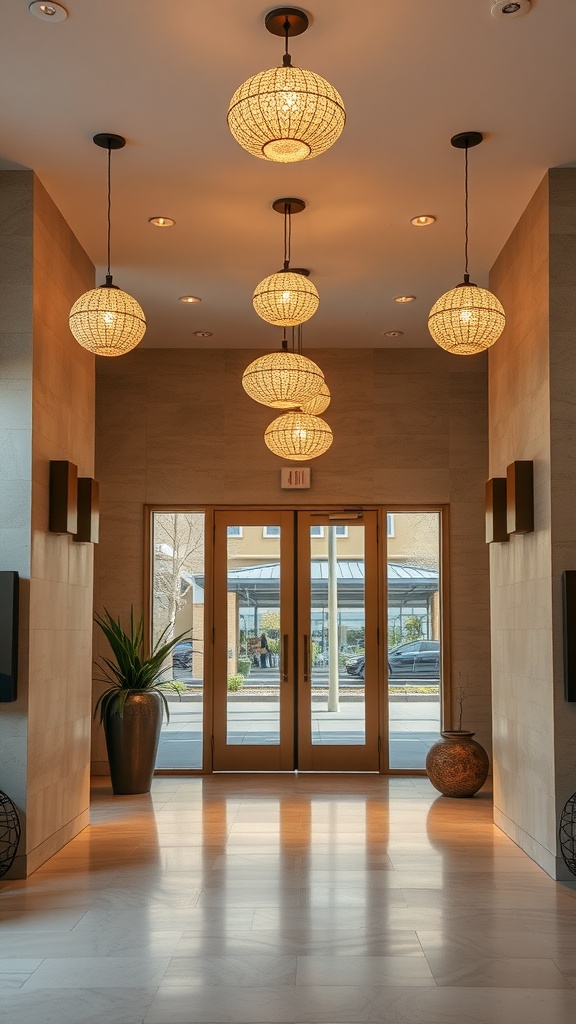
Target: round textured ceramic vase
[132, 742]
[457, 765]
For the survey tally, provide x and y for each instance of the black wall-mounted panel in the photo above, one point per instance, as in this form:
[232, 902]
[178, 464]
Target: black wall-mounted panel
[8, 636]
[569, 615]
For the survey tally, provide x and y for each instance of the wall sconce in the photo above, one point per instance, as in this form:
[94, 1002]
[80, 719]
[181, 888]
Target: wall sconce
[520, 497]
[63, 514]
[88, 511]
[496, 530]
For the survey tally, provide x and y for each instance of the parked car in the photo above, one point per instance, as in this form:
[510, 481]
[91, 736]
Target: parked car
[182, 654]
[415, 659]
[355, 666]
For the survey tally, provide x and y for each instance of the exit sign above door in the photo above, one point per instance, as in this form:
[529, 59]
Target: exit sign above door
[291, 478]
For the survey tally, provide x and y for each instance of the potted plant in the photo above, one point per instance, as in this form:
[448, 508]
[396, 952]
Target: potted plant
[457, 765]
[131, 707]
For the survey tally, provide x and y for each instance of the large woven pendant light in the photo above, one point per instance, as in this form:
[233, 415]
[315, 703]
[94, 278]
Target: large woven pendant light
[106, 320]
[286, 114]
[282, 380]
[320, 402]
[287, 298]
[467, 319]
[298, 436]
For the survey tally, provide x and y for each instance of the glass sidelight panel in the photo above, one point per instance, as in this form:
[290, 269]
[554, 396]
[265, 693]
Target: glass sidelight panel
[414, 636]
[177, 607]
[337, 634]
[253, 632]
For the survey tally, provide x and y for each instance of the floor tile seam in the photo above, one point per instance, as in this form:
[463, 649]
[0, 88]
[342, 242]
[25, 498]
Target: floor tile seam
[468, 948]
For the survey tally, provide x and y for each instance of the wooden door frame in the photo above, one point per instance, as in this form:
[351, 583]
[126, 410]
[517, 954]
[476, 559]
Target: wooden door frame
[383, 705]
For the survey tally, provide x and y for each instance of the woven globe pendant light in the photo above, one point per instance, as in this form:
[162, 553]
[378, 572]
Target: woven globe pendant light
[287, 298]
[286, 114]
[298, 436]
[467, 319]
[282, 380]
[106, 320]
[317, 405]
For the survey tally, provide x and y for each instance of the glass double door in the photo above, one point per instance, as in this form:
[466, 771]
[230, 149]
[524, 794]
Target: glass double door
[296, 641]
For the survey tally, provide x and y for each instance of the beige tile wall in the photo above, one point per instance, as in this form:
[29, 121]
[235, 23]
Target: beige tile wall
[175, 426]
[563, 440]
[533, 416]
[53, 417]
[61, 587]
[16, 218]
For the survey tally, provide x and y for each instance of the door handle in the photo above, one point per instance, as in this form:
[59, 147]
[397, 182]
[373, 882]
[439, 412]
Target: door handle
[307, 666]
[285, 658]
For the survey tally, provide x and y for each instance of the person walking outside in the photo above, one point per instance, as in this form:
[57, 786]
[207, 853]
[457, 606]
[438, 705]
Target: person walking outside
[264, 656]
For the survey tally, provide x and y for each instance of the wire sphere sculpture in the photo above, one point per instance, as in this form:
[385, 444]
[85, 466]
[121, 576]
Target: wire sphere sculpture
[466, 320]
[567, 834]
[107, 321]
[286, 114]
[9, 833]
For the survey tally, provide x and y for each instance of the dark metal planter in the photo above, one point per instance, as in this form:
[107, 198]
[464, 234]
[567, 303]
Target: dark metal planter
[132, 742]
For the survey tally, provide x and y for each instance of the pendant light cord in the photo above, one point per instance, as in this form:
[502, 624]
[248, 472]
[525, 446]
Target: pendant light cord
[466, 274]
[108, 274]
[287, 59]
[287, 235]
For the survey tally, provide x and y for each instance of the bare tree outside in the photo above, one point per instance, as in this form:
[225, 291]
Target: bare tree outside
[178, 554]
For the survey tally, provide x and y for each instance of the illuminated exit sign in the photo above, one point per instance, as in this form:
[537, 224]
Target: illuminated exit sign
[291, 478]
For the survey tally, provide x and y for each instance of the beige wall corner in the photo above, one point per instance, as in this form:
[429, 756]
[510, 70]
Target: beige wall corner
[51, 416]
[532, 416]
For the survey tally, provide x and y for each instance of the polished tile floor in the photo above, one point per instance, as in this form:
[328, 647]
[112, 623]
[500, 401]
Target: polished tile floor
[312, 898]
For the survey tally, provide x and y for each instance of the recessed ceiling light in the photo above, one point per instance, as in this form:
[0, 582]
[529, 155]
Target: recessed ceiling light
[393, 334]
[48, 11]
[404, 298]
[423, 220]
[189, 298]
[162, 222]
[202, 334]
[505, 9]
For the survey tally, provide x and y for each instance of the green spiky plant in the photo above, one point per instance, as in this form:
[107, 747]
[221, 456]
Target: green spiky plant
[131, 672]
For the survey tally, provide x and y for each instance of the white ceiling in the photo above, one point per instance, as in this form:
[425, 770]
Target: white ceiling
[411, 72]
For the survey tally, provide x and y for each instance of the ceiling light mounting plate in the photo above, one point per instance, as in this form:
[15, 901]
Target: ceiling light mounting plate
[275, 21]
[294, 205]
[107, 140]
[466, 140]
